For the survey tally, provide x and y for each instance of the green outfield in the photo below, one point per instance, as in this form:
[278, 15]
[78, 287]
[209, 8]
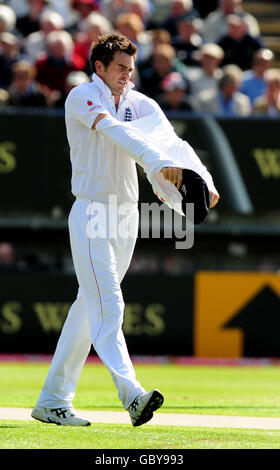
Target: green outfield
[207, 390]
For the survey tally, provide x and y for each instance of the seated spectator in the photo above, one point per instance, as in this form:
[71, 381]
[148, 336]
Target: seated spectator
[112, 8]
[215, 24]
[54, 65]
[157, 36]
[93, 26]
[269, 103]
[188, 39]
[36, 43]
[69, 15]
[174, 96]
[227, 100]
[9, 54]
[4, 96]
[73, 79]
[178, 9]
[253, 81]
[142, 8]
[131, 26]
[206, 76]
[7, 256]
[30, 22]
[163, 62]
[238, 45]
[24, 91]
[7, 19]
[83, 8]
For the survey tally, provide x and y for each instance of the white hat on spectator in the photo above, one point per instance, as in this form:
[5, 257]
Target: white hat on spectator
[76, 78]
[54, 18]
[212, 50]
[7, 18]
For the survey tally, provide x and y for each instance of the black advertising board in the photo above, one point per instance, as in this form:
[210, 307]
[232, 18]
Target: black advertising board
[242, 154]
[211, 314]
[256, 146]
[33, 308]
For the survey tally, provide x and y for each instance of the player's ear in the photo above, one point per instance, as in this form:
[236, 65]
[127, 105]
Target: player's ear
[99, 66]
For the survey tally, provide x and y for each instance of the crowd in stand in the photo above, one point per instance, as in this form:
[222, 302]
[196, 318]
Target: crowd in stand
[201, 57]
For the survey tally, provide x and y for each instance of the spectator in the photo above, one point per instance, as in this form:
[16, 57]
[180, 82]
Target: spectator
[253, 82]
[64, 8]
[157, 36]
[143, 9]
[4, 96]
[131, 26]
[227, 100]
[83, 8]
[24, 91]
[269, 103]
[206, 76]
[163, 60]
[7, 19]
[7, 256]
[54, 65]
[178, 9]
[174, 96]
[188, 39]
[93, 26]
[238, 45]
[73, 79]
[112, 8]
[215, 24]
[36, 43]
[30, 22]
[9, 54]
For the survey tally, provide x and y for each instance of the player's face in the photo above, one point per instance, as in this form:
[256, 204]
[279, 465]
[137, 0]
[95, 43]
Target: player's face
[118, 73]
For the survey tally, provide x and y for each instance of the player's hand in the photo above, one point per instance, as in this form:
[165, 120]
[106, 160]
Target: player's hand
[174, 175]
[214, 198]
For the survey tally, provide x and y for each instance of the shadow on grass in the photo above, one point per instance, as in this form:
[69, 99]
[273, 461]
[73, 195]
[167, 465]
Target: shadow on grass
[184, 407]
[10, 426]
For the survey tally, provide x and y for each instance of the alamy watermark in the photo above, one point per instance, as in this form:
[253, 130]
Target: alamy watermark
[156, 220]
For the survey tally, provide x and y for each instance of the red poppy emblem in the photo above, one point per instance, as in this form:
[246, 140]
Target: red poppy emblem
[89, 102]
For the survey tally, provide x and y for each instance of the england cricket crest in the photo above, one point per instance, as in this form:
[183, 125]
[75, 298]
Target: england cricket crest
[127, 115]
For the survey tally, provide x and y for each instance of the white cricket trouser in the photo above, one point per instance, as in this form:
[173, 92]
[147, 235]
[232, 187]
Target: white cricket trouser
[97, 314]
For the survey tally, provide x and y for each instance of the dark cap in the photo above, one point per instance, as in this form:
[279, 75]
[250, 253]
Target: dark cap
[194, 190]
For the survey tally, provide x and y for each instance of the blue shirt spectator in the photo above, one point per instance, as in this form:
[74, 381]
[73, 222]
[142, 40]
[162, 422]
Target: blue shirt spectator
[253, 83]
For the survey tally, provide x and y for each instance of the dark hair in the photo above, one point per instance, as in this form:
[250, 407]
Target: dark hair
[107, 46]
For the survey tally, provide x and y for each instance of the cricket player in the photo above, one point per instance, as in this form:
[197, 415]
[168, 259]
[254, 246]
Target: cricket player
[104, 147]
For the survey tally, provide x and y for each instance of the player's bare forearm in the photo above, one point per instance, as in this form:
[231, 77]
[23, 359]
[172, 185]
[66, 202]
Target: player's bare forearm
[99, 117]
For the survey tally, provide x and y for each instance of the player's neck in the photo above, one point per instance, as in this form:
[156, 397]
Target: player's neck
[117, 100]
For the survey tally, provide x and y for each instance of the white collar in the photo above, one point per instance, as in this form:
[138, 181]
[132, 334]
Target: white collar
[106, 90]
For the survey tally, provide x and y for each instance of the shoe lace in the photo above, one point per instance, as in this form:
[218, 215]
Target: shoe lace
[60, 412]
[134, 404]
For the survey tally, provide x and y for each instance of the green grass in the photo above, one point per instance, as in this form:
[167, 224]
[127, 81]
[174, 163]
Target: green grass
[243, 391]
[29, 435]
[235, 391]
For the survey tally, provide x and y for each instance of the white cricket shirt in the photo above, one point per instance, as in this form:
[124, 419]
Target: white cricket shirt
[100, 168]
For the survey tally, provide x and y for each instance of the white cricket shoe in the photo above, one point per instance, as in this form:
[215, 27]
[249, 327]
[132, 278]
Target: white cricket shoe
[63, 416]
[142, 407]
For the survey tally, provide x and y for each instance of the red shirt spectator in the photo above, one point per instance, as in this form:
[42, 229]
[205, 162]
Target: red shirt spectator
[59, 60]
